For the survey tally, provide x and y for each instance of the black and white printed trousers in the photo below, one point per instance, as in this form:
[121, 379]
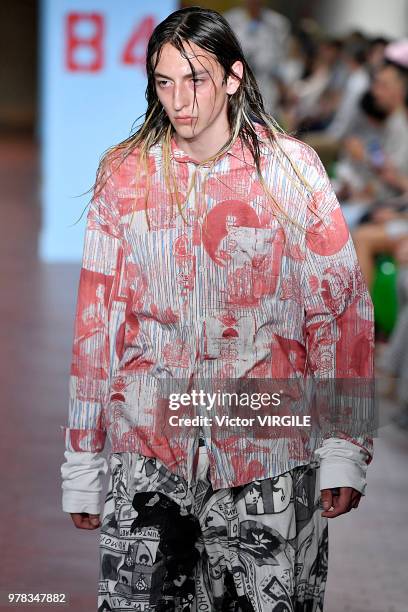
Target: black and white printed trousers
[166, 546]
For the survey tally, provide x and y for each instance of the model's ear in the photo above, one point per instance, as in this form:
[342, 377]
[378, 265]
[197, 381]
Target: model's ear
[234, 79]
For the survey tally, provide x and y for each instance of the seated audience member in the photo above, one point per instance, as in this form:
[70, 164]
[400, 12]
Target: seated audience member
[344, 106]
[264, 35]
[356, 85]
[378, 164]
[291, 69]
[376, 54]
[384, 236]
[394, 360]
[390, 90]
[356, 181]
[308, 107]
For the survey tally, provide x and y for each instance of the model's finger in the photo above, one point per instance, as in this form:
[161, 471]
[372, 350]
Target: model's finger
[79, 521]
[355, 499]
[94, 520]
[341, 503]
[82, 520]
[327, 498]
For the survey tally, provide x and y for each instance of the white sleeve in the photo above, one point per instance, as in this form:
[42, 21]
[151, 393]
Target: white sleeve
[82, 480]
[346, 113]
[342, 464]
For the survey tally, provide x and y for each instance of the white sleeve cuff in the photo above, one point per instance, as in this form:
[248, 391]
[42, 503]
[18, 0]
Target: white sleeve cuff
[82, 480]
[81, 501]
[342, 464]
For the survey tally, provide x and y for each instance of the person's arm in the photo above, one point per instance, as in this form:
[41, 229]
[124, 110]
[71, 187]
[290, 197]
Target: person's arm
[343, 464]
[347, 109]
[81, 481]
[393, 177]
[97, 344]
[339, 329]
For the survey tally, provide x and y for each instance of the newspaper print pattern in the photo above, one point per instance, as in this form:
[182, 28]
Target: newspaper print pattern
[166, 546]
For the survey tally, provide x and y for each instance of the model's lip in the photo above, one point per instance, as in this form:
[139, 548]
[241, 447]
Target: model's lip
[185, 118]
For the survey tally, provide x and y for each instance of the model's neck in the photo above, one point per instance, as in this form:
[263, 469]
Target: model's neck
[204, 146]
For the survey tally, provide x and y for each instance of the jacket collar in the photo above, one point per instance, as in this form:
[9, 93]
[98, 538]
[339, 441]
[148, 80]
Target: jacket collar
[238, 150]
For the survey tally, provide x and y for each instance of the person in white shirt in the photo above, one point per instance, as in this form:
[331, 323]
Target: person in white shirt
[357, 83]
[264, 36]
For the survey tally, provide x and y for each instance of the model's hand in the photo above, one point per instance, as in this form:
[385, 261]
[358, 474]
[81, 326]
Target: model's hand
[83, 520]
[346, 499]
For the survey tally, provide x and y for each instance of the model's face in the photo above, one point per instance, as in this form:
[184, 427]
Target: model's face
[175, 90]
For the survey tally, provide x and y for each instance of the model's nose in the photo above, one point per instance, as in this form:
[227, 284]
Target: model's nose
[181, 97]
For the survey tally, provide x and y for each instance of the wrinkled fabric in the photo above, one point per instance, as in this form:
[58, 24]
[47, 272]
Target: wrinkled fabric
[167, 546]
[228, 291]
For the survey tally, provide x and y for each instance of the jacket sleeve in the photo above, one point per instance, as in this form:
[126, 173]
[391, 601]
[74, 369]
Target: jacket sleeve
[339, 335]
[82, 481]
[99, 323]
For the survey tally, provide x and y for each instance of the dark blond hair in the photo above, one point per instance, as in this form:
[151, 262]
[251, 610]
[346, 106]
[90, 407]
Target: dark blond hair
[212, 33]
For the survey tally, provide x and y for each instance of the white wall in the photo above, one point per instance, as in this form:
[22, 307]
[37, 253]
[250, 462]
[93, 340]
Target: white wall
[92, 90]
[375, 17]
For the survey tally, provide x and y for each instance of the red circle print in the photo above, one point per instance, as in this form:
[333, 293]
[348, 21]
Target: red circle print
[215, 225]
[329, 237]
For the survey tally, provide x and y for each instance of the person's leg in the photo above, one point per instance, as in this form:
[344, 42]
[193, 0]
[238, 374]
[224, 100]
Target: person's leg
[148, 541]
[312, 540]
[257, 548]
[369, 240]
[394, 359]
[266, 545]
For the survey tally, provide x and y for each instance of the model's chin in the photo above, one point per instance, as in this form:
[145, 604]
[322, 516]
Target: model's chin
[185, 130]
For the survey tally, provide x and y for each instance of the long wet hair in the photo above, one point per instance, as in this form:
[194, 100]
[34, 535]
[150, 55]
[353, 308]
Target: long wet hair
[212, 33]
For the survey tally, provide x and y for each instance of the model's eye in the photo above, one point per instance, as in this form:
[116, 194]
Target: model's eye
[162, 83]
[198, 81]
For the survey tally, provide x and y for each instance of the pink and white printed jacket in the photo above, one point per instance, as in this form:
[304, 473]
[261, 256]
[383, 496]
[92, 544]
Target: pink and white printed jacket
[229, 294]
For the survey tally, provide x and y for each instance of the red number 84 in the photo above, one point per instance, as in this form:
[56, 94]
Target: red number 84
[85, 39]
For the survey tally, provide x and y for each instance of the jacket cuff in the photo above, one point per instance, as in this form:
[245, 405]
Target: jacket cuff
[341, 472]
[342, 464]
[82, 480]
[81, 501]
